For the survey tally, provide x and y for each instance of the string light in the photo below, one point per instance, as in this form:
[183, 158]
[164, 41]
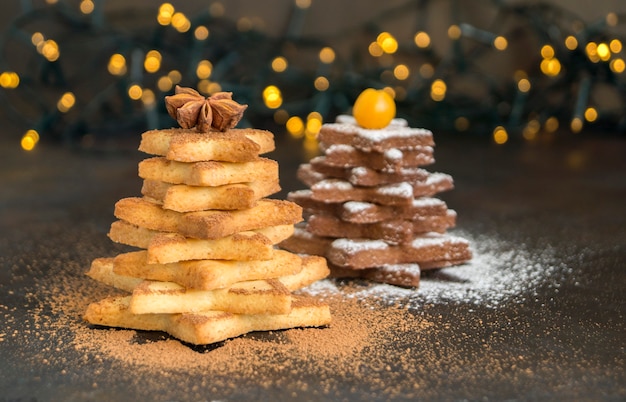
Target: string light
[422, 39]
[204, 69]
[135, 92]
[117, 64]
[180, 22]
[295, 126]
[327, 55]
[166, 11]
[387, 42]
[576, 124]
[551, 124]
[29, 140]
[591, 114]
[454, 32]
[321, 83]
[152, 61]
[9, 80]
[571, 42]
[66, 102]
[615, 45]
[438, 90]
[272, 97]
[175, 76]
[279, 64]
[164, 84]
[427, 70]
[531, 129]
[201, 33]
[86, 6]
[500, 43]
[500, 135]
[401, 72]
[617, 65]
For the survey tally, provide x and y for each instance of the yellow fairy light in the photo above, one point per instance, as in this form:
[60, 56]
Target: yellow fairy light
[66, 102]
[500, 136]
[617, 65]
[401, 72]
[576, 124]
[592, 52]
[148, 97]
[551, 124]
[180, 22]
[9, 80]
[591, 114]
[204, 69]
[427, 70]
[523, 85]
[213, 87]
[164, 84]
[422, 39]
[550, 67]
[604, 52]
[327, 55]
[86, 6]
[547, 52]
[201, 33]
[272, 97]
[152, 61]
[461, 123]
[313, 126]
[454, 32]
[279, 64]
[500, 43]
[375, 50]
[50, 50]
[571, 42]
[321, 83]
[438, 90]
[295, 126]
[387, 42]
[37, 38]
[166, 11]
[615, 45]
[29, 140]
[117, 64]
[175, 76]
[135, 92]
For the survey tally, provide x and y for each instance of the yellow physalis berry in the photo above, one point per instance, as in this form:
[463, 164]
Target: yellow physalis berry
[374, 109]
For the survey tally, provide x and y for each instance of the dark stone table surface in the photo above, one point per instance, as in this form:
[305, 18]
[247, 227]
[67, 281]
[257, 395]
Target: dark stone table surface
[562, 337]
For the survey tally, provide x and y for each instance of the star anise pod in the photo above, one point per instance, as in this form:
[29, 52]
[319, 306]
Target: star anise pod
[191, 109]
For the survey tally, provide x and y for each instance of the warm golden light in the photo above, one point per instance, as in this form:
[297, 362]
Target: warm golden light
[66, 102]
[321, 83]
[454, 32]
[86, 6]
[180, 22]
[604, 52]
[547, 52]
[500, 136]
[175, 76]
[576, 124]
[523, 85]
[615, 45]
[295, 126]
[313, 125]
[327, 55]
[135, 92]
[592, 52]
[422, 39]
[571, 42]
[611, 19]
[591, 114]
[401, 72]
[375, 50]
[50, 50]
[148, 98]
[550, 67]
[272, 97]
[530, 131]
[152, 61]
[617, 65]
[204, 69]
[117, 64]
[500, 43]
[165, 84]
[9, 80]
[279, 64]
[201, 33]
[37, 38]
[551, 124]
[387, 42]
[29, 140]
[166, 11]
[438, 90]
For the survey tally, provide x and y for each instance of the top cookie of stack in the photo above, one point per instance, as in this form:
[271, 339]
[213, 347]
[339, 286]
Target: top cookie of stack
[370, 207]
[207, 269]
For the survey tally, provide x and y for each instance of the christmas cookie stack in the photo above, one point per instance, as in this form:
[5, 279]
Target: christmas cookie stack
[207, 268]
[370, 207]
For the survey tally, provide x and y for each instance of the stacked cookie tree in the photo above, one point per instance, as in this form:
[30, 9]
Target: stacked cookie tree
[207, 268]
[370, 206]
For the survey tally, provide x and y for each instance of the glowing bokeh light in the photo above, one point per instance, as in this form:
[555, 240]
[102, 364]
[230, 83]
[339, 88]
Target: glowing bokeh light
[500, 43]
[591, 114]
[401, 72]
[295, 126]
[500, 135]
[438, 90]
[279, 64]
[117, 64]
[422, 39]
[454, 32]
[321, 83]
[272, 97]
[66, 102]
[135, 92]
[204, 69]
